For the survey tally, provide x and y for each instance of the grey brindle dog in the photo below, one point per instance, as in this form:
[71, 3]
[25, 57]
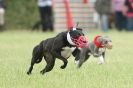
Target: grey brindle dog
[96, 48]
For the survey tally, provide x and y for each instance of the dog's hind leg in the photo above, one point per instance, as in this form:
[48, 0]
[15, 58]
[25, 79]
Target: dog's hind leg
[33, 61]
[31, 66]
[38, 53]
[37, 56]
[50, 60]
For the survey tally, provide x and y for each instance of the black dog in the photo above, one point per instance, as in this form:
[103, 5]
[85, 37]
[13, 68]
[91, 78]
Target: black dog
[96, 48]
[53, 48]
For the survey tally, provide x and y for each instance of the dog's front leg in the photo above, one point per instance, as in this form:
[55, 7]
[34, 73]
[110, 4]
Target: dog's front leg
[101, 59]
[57, 55]
[50, 60]
[81, 57]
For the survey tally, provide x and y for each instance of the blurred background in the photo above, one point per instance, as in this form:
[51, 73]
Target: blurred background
[23, 14]
[24, 23]
[89, 14]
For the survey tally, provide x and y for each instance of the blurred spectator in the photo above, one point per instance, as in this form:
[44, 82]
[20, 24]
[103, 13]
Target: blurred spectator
[2, 13]
[95, 14]
[103, 8]
[46, 14]
[120, 19]
[111, 20]
[129, 13]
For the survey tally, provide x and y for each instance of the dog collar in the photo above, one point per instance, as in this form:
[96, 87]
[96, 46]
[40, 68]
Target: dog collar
[74, 29]
[97, 43]
[69, 39]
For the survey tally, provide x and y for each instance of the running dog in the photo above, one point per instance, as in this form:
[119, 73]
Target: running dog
[96, 48]
[53, 48]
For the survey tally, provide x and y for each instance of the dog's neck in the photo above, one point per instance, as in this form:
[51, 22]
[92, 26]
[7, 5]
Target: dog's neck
[97, 42]
[65, 39]
[69, 39]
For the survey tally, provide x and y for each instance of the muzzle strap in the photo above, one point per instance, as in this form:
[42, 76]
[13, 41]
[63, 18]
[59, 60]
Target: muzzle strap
[97, 43]
[79, 42]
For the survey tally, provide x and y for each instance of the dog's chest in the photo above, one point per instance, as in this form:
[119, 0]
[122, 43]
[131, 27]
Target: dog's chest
[101, 50]
[98, 52]
[67, 51]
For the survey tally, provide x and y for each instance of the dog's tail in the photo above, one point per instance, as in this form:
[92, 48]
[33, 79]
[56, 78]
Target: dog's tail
[37, 53]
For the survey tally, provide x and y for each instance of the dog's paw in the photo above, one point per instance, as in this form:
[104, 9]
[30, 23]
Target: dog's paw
[28, 73]
[63, 67]
[100, 63]
[76, 62]
[42, 72]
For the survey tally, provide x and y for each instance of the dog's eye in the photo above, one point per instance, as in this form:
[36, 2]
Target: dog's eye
[79, 34]
[106, 42]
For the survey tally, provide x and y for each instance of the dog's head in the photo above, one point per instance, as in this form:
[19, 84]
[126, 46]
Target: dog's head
[76, 37]
[103, 41]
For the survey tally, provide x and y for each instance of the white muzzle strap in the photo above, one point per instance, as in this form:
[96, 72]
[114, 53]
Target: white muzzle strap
[74, 28]
[69, 39]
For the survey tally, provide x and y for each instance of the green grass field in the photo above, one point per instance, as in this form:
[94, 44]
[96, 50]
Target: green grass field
[15, 56]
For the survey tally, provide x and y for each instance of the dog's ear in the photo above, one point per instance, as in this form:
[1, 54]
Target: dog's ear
[79, 29]
[100, 39]
[73, 28]
[107, 38]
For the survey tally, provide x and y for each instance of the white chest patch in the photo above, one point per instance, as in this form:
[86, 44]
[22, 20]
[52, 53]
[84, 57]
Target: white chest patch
[102, 50]
[97, 53]
[67, 51]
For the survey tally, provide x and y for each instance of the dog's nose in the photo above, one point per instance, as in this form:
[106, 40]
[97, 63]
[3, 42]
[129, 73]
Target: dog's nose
[109, 45]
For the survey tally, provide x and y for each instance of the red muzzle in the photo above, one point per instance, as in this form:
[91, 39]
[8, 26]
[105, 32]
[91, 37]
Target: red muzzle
[81, 42]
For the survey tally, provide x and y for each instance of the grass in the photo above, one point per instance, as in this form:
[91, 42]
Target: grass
[15, 56]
